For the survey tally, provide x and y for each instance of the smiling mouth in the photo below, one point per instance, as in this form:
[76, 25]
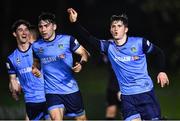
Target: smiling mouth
[44, 34]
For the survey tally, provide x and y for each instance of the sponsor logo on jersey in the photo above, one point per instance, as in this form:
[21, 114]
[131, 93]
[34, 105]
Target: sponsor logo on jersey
[52, 59]
[48, 60]
[25, 70]
[135, 57]
[127, 58]
[62, 56]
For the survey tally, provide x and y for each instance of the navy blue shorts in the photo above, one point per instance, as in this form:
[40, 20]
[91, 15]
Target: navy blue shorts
[72, 103]
[144, 106]
[37, 111]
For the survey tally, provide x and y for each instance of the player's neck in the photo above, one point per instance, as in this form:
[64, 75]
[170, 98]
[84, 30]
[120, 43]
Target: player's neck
[121, 41]
[52, 37]
[23, 46]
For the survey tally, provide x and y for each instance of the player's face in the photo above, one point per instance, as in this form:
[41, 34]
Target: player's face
[22, 33]
[47, 30]
[118, 30]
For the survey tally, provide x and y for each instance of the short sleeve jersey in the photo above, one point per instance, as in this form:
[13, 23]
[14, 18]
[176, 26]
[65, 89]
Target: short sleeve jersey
[20, 63]
[129, 64]
[56, 62]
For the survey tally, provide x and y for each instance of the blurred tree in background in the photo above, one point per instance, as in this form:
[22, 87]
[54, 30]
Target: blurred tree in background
[165, 20]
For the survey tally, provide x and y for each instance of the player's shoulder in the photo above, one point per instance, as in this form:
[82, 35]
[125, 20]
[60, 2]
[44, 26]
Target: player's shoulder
[107, 41]
[37, 42]
[13, 53]
[64, 36]
[135, 38]
[110, 40]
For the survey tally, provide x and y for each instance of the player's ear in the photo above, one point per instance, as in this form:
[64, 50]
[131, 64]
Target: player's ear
[14, 34]
[54, 27]
[126, 29]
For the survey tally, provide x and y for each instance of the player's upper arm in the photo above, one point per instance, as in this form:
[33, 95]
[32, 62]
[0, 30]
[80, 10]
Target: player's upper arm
[83, 53]
[78, 49]
[147, 46]
[104, 46]
[10, 67]
[74, 44]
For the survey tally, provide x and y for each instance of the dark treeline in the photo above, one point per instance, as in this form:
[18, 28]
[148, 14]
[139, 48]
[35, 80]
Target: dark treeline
[156, 20]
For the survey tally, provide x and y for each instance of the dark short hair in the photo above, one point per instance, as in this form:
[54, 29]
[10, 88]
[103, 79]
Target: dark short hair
[46, 16]
[122, 17]
[34, 31]
[17, 23]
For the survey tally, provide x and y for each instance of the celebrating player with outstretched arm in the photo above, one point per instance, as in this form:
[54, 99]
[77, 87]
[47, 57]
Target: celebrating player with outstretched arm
[128, 59]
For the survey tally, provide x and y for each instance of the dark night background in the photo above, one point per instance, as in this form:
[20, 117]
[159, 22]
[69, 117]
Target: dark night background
[156, 20]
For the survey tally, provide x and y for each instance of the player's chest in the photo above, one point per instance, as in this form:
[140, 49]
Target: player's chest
[127, 50]
[23, 61]
[52, 49]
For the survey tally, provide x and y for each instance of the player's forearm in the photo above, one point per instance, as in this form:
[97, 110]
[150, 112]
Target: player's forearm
[84, 58]
[85, 35]
[13, 83]
[160, 58]
[36, 63]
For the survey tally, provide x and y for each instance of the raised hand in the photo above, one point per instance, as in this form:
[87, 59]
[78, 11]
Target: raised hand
[72, 15]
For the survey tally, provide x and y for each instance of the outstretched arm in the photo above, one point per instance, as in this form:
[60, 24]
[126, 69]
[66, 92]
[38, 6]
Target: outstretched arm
[162, 77]
[84, 34]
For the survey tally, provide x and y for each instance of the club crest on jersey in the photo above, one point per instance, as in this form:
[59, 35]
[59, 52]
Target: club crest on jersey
[60, 46]
[18, 60]
[40, 50]
[133, 49]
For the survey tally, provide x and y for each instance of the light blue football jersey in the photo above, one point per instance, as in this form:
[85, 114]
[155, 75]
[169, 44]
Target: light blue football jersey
[20, 63]
[56, 62]
[129, 64]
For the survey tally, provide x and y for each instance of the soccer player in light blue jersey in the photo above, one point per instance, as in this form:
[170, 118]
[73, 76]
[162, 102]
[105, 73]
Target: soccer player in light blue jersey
[19, 65]
[53, 54]
[128, 59]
